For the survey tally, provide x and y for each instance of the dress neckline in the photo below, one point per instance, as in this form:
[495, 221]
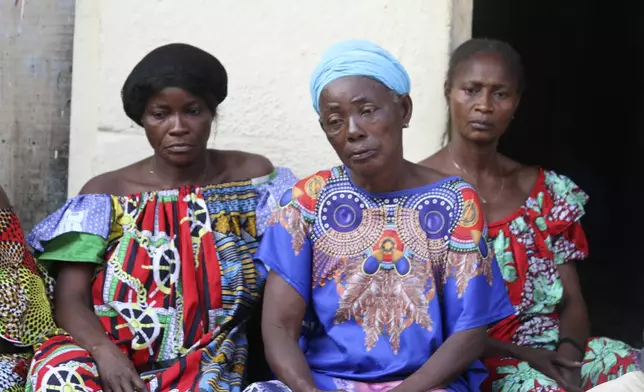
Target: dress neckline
[402, 192]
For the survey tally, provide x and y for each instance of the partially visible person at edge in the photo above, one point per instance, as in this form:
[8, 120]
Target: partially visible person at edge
[533, 217]
[629, 382]
[388, 259]
[162, 249]
[25, 312]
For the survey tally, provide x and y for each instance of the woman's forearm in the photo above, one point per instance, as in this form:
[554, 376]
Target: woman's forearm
[82, 324]
[573, 316]
[573, 324]
[498, 348]
[73, 306]
[287, 360]
[450, 361]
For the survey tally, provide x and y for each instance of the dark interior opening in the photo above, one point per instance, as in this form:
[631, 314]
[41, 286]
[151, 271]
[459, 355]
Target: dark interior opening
[583, 115]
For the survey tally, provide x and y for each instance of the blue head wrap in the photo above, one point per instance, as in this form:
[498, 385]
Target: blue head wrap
[358, 57]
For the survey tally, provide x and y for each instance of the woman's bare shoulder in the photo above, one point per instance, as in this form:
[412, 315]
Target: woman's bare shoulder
[103, 183]
[525, 175]
[428, 175]
[245, 165]
[115, 182]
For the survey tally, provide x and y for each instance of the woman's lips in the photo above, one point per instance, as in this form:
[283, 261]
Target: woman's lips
[362, 155]
[179, 148]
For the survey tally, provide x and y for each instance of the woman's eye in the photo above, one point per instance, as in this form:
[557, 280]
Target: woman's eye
[368, 110]
[334, 122]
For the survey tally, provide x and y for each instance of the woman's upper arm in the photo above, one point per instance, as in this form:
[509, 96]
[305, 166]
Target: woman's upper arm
[283, 306]
[473, 297]
[74, 282]
[570, 282]
[286, 250]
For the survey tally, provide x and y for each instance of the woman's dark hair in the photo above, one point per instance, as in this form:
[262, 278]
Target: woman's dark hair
[174, 65]
[474, 46]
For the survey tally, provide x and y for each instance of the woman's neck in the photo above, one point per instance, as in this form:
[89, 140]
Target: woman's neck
[390, 179]
[172, 176]
[474, 160]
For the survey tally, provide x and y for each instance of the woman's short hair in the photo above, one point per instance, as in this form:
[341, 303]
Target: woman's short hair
[174, 65]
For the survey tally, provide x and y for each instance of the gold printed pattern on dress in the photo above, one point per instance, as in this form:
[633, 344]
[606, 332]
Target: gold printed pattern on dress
[474, 259]
[385, 303]
[290, 218]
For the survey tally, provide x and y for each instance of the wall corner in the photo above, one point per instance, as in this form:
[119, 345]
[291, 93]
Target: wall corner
[461, 23]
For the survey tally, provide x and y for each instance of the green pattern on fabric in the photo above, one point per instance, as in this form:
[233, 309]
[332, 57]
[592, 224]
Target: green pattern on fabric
[603, 357]
[74, 248]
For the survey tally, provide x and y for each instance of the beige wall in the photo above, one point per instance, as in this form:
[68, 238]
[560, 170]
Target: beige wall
[270, 48]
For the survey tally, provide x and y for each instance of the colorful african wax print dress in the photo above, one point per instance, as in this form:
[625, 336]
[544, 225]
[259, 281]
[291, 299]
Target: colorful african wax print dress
[529, 244]
[387, 277]
[25, 307]
[175, 282]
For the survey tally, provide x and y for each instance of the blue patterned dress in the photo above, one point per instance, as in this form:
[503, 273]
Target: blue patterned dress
[387, 278]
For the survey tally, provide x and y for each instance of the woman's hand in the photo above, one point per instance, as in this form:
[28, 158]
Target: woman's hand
[116, 371]
[448, 362]
[573, 377]
[553, 365]
[73, 313]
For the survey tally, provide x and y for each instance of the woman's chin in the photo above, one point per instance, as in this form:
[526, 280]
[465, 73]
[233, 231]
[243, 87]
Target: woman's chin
[180, 160]
[483, 137]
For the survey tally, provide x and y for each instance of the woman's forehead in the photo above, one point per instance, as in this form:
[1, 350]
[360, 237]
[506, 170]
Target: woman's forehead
[353, 89]
[485, 66]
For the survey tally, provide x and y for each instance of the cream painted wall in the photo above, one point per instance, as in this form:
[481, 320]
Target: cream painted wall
[270, 49]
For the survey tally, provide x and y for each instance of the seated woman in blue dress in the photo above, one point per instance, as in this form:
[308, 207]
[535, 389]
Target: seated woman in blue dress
[386, 261]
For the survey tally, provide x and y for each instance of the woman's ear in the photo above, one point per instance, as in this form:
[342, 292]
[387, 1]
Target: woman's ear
[407, 107]
[516, 105]
[447, 90]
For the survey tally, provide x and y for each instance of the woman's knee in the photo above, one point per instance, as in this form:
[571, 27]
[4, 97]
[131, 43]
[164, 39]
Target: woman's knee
[60, 361]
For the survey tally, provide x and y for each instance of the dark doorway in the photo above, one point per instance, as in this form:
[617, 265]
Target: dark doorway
[583, 115]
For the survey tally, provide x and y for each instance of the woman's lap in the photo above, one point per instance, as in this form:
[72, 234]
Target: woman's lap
[605, 360]
[59, 362]
[268, 386]
[343, 385]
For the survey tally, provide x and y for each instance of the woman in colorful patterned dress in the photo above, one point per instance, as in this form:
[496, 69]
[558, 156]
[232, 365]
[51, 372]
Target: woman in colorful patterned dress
[388, 259]
[161, 250]
[25, 310]
[535, 232]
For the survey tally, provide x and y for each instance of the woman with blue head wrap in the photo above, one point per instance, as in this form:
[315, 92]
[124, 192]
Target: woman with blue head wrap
[358, 58]
[386, 261]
